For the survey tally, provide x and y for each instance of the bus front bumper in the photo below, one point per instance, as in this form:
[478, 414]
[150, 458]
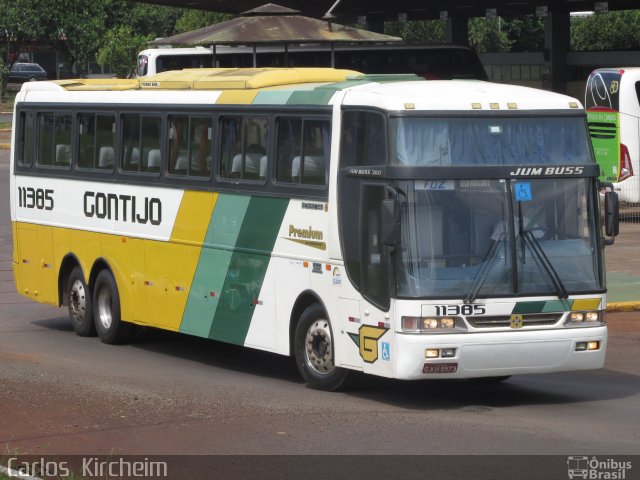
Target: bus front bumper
[495, 354]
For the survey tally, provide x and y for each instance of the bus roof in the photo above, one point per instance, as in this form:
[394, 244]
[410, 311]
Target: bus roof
[306, 86]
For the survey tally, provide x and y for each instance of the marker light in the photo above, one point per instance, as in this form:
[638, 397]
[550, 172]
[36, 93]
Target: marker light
[431, 353]
[448, 352]
[410, 323]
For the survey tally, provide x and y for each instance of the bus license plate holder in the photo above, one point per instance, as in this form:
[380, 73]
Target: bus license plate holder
[440, 368]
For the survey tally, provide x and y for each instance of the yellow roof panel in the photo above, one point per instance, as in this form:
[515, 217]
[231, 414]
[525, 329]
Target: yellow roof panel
[241, 79]
[95, 84]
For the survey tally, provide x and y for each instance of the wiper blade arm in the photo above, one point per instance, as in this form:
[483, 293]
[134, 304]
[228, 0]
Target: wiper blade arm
[483, 273]
[546, 263]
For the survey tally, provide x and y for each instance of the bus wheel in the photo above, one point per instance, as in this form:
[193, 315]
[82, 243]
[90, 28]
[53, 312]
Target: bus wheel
[314, 351]
[106, 311]
[79, 303]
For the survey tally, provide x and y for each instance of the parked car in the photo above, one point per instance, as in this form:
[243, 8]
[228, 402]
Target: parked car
[22, 72]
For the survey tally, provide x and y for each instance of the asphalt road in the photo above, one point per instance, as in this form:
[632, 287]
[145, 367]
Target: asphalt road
[173, 394]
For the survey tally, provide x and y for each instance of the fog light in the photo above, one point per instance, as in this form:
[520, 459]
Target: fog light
[430, 323]
[592, 317]
[593, 345]
[410, 323]
[432, 353]
[577, 317]
[447, 323]
[448, 352]
[581, 346]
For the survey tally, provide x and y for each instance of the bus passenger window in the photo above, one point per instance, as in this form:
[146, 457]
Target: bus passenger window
[151, 157]
[201, 154]
[190, 145]
[54, 139]
[244, 148]
[26, 139]
[141, 143]
[131, 142]
[86, 141]
[303, 150]
[178, 144]
[105, 141]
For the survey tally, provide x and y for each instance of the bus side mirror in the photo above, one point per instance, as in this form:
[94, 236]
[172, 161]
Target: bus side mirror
[390, 222]
[611, 216]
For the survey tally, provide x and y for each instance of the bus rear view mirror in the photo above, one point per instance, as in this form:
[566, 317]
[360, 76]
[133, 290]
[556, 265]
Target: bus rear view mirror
[390, 222]
[611, 216]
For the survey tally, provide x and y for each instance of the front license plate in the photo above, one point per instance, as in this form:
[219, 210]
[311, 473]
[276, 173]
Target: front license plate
[440, 368]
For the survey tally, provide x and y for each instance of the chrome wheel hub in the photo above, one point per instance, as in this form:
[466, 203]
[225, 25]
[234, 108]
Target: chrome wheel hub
[105, 316]
[77, 301]
[319, 347]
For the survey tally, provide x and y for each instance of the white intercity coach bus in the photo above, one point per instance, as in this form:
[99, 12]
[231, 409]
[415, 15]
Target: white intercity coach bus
[378, 223]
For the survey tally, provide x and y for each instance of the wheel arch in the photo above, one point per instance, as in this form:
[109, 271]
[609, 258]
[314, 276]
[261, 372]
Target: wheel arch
[99, 265]
[69, 262]
[304, 301]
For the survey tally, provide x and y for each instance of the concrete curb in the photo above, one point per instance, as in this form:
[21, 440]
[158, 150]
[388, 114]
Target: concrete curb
[623, 307]
[5, 145]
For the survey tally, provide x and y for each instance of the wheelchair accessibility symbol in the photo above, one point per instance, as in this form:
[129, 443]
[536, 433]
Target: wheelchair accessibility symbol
[522, 191]
[386, 353]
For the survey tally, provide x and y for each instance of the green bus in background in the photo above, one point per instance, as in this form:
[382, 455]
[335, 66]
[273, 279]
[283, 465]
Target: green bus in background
[613, 112]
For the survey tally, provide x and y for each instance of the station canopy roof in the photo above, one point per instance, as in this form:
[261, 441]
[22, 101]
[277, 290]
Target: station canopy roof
[349, 10]
[272, 24]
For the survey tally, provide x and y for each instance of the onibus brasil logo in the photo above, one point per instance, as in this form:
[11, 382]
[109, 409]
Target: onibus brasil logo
[593, 468]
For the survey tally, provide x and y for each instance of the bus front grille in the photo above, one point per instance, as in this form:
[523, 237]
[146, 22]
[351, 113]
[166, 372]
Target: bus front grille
[502, 321]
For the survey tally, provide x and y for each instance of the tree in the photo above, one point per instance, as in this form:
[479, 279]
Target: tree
[195, 19]
[610, 31]
[487, 35]
[120, 50]
[428, 31]
[526, 33]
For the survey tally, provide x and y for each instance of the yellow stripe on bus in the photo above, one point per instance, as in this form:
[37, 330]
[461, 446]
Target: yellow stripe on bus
[586, 304]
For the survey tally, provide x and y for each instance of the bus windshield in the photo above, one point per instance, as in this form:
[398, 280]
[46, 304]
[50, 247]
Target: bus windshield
[490, 141]
[457, 240]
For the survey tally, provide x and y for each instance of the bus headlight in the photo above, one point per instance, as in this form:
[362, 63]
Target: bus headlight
[432, 324]
[585, 319]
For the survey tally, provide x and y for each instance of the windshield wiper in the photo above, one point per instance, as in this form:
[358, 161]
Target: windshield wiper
[483, 273]
[546, 263]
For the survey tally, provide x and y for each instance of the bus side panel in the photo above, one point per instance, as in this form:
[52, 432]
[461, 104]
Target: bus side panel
[125, 257]
[48, 274]
[61, 242]
[28, 259]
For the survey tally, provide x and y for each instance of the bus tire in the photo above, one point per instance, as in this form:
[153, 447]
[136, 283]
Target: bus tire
[314, 351]
[80, 304]
[106, 311]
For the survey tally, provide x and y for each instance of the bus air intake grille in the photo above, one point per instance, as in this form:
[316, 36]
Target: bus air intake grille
[602, 130]
[504, 321]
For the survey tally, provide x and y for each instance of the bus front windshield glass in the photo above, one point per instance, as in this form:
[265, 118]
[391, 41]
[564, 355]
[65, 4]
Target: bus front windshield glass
[479, 238]
[430, 142]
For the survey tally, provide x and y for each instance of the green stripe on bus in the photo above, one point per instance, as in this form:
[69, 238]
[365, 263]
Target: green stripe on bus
[247, 269]
[272, 97]
[313, 97]
[529, 307]
[215, 258]
[557, 306]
